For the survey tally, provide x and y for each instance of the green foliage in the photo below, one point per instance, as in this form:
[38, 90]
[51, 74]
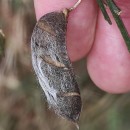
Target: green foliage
[16, 5]
[2, 45]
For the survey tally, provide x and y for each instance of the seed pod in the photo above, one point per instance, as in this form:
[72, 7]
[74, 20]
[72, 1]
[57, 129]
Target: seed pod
[53, 66]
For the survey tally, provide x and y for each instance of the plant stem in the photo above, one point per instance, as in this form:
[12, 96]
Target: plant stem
[116, 14]
[105, 14]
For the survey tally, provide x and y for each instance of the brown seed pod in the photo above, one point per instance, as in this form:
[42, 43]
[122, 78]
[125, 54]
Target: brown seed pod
[53, 66]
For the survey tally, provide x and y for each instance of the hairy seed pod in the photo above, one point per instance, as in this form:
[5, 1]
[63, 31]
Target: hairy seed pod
[53, 66]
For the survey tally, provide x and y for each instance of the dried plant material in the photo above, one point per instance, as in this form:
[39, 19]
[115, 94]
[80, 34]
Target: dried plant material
[13, 51]
[2, 33]
[10, 81]
[15, 46]
[53, 66]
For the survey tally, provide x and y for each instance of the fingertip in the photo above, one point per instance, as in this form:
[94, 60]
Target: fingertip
[108, 62]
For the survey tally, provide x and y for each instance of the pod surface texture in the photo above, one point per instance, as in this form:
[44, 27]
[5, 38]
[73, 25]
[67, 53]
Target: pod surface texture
[53, 67]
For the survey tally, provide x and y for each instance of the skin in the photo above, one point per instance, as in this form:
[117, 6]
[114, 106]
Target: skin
[89, 35]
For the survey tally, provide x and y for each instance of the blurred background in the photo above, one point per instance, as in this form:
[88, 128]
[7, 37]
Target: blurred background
[23, 105]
